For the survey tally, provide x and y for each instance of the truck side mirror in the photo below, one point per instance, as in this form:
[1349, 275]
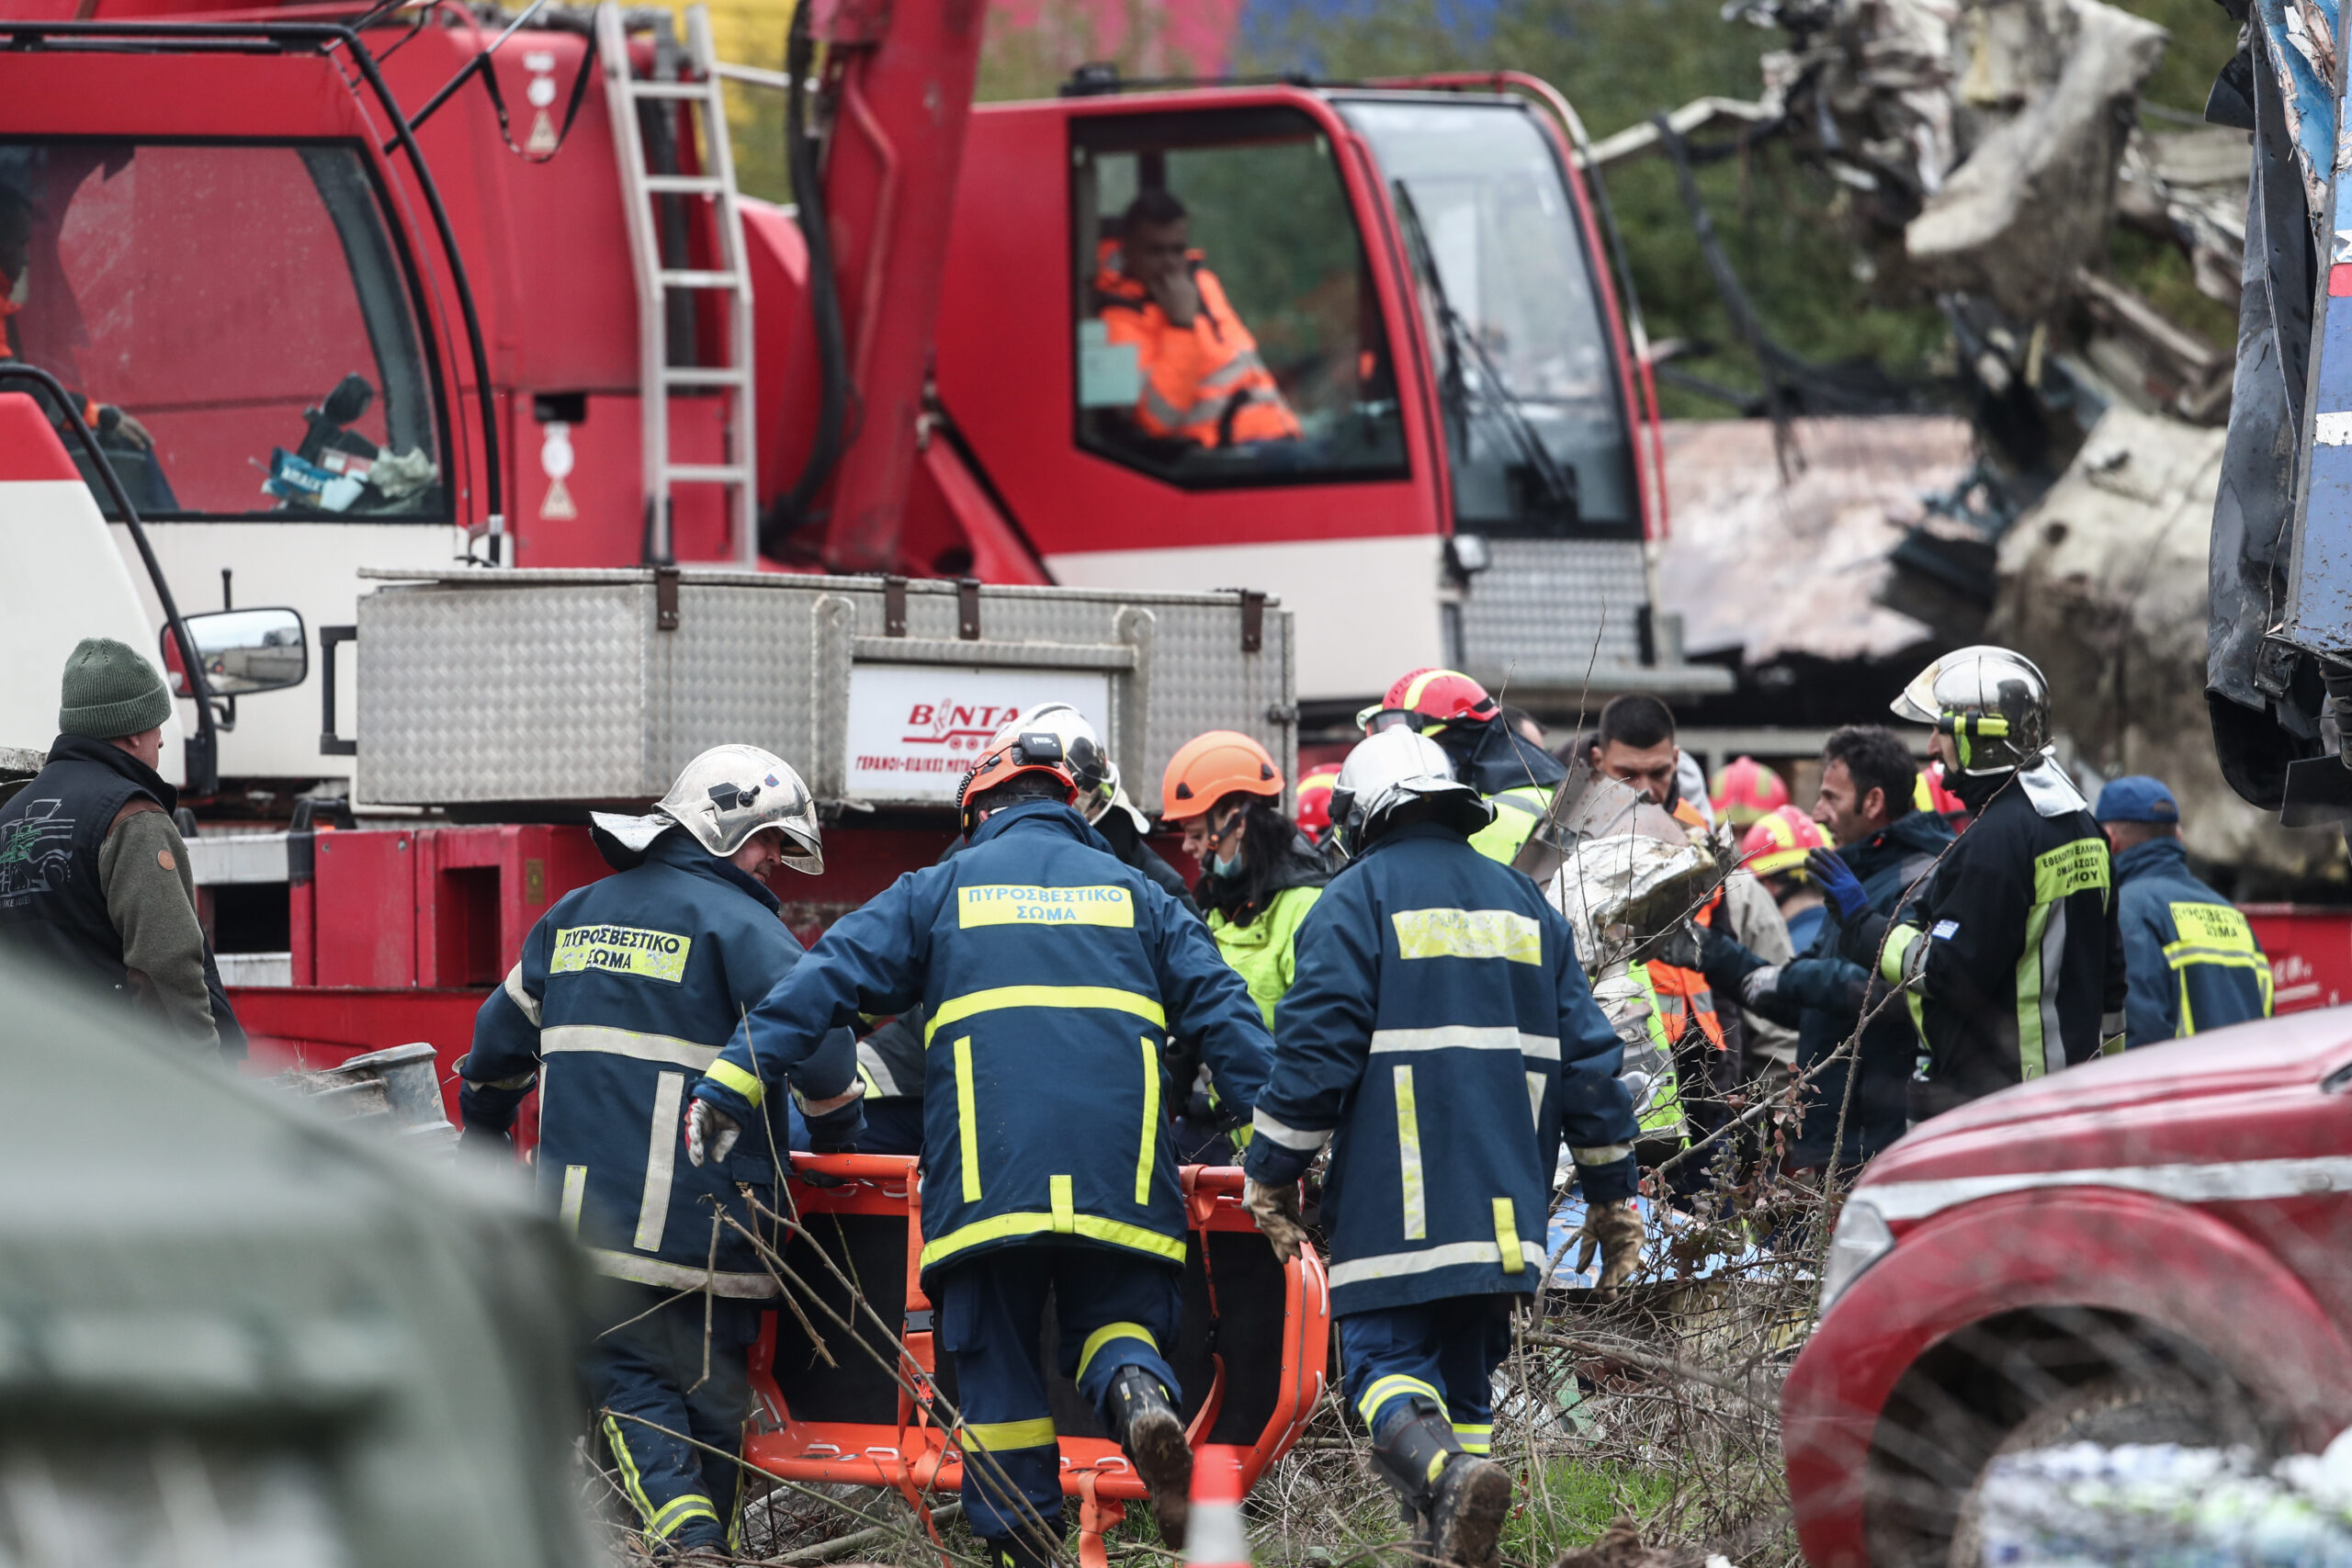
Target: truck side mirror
[244, 651]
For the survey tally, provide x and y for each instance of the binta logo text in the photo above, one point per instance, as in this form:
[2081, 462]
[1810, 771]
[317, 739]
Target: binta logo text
[955, 727]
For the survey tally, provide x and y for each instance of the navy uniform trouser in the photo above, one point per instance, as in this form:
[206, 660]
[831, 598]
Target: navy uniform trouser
[1447, 1349]
[1116, 1309]
[642, 1379]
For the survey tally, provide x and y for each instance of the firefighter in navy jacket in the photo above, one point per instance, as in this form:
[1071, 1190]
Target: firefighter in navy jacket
[626, 991]
[1441, 1037]
[1052, 975]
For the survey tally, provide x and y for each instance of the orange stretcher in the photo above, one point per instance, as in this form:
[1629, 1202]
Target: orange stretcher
[1250, 1354]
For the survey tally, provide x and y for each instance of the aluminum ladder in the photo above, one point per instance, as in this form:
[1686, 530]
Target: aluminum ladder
[657, 379]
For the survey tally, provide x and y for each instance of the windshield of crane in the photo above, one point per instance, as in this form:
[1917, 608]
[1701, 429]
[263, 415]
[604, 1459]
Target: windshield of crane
[1228, 331]
[232, 320]
[1527, 369]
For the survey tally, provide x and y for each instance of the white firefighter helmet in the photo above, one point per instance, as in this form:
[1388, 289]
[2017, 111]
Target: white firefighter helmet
[1991, 702]
[1082, 752]
[730, 793]
[1393, 769]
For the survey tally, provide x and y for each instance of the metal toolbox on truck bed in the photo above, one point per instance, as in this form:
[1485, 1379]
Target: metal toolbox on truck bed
[552, 687]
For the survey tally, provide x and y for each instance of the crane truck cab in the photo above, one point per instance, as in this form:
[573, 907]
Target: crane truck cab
[2150, 1248]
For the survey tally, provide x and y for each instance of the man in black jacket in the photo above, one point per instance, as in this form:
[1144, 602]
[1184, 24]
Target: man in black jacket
[2012, 957]
[95, 881]
[1887, 848]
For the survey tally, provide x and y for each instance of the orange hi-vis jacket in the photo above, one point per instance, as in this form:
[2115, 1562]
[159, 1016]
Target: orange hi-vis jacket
[1203, 383]
[1684, 997]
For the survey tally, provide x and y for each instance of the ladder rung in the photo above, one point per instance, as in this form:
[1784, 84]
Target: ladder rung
[639, 89]
[708, 473]
[700, 279]
[705, 375]
[682, 185]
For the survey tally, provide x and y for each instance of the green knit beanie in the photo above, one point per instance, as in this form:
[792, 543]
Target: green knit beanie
[111, 691]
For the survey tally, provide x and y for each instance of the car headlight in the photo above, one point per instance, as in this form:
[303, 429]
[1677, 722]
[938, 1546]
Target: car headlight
[1861, 1239]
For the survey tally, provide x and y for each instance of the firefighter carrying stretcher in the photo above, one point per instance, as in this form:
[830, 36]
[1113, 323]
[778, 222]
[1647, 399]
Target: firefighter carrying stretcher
[1052, 975]
[1441, 1037]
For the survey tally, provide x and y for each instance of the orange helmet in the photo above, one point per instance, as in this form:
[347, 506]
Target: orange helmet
[1777, 844]
[1745, 791]
[1429, 699]
[1931, 795]
[1209, 767]
[1033, 751]
[1313, 808]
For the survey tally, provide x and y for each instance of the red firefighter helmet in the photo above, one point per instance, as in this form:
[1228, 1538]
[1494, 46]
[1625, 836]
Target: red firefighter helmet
[1428, 700]
[1033, 751]
[1313, 809]
[1931, 795]
[1745, 791]
[1777, 844]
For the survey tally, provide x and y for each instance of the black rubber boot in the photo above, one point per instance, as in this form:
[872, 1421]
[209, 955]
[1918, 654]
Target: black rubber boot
[1150, 1430]
[1023, 1548]
[1459, 1499]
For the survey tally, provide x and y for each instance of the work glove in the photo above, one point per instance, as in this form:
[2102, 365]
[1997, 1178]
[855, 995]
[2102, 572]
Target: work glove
[1757, 984]
[1614, 1230]
[1838, 884]
[1276, 1208]
[710, 1133]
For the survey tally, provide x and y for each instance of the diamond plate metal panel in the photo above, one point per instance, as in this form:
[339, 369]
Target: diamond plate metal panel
[556, 687]
[1532, 617]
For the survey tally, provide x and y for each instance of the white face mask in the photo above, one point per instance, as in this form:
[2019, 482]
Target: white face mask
[18, 294]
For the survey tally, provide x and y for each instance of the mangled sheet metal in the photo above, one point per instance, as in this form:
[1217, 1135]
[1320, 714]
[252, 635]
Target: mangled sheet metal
[1624, 872]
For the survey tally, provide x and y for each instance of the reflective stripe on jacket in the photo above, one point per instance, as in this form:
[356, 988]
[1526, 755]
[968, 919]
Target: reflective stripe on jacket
[1051, 976]
[2190, 959]
[1441, 1037]
[624, 993]
[1204, 382]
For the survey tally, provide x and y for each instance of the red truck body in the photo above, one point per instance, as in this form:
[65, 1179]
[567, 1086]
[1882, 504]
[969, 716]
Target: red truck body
[2189, 1202]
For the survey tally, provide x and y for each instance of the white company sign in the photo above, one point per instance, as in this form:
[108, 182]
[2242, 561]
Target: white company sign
[915, 729]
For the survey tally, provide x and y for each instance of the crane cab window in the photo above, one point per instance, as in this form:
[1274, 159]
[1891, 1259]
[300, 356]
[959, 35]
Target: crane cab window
[231, 319]
[1227, 329]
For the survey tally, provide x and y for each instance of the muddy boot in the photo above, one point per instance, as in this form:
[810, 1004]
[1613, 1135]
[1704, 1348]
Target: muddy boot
[1148, 1427]
[1458, 1499]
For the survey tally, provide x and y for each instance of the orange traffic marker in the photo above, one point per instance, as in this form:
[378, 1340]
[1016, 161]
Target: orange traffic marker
[1214, 1537]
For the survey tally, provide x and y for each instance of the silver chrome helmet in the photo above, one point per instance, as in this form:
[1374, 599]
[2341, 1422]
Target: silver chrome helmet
[1082, 752]
[1395, 768]
[730, 793]
[1991, 702]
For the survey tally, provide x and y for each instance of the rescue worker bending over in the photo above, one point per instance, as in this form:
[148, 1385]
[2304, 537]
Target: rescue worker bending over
[1485, 753]
[1440, 1038]
[2190, 959]
[891, 1059]
[1051, 976]
[1259, 878]
[1202, 381]
[2013, 953]
[626, 991]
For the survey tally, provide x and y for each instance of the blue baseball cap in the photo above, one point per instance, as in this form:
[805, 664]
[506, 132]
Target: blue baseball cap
[2136, 798]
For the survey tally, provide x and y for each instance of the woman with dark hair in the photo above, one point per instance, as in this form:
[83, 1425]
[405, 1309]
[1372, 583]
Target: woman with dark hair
[1259, 875]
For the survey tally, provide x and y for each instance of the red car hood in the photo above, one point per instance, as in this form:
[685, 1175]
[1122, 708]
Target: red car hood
[2248, 1093]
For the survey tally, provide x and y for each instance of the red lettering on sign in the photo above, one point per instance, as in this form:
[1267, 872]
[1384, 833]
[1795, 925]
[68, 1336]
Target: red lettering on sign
[920, 714]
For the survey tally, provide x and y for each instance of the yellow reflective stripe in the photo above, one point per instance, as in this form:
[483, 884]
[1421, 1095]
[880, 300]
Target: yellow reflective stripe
[726, 1075]
[660, 1163]
[2031, 1061]
[1408, 1158]
[1468, 933]
[1506, 1236]
[1890, 958]
[1002, 1227]
[964, 1006]
[967, 1120]
[1475, 1436]
[1150, 1150]
[1383, 1390]
[1108, 1332]
[1065, 1210]
[575, 1188]
[631, 1481]
[525, 1003]
[2069, 869]
[2181, 955]
[693, 1505]
[996, 1435]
